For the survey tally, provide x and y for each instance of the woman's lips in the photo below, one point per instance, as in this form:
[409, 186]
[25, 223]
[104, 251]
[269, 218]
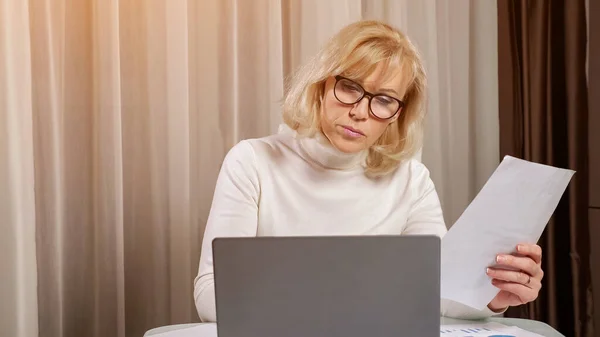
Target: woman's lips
[352, 132]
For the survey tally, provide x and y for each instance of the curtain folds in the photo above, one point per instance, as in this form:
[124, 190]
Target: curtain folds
[544, 115]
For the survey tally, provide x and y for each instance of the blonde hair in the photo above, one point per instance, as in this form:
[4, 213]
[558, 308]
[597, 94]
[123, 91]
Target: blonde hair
[355, 51]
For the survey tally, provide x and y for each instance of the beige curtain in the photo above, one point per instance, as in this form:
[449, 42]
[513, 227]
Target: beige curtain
[458, 40]
[115, 116]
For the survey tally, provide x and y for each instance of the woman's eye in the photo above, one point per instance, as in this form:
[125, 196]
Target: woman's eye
[350, 87]
[384, 100]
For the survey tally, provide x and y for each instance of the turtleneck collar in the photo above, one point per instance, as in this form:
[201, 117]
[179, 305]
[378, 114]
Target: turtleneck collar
[320, 150]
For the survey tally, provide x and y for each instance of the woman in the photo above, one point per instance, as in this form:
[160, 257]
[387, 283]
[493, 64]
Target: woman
[343, 164]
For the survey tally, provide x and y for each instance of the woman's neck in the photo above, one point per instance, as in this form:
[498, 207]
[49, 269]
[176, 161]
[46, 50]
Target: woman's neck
[320, 150]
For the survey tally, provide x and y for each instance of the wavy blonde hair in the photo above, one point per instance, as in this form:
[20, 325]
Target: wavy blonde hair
[355, 51]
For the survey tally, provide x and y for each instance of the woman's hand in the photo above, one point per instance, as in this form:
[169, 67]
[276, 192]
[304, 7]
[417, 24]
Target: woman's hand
[521, 284]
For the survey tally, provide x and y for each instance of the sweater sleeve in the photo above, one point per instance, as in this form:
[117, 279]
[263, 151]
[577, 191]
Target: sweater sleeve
[233, 213]
[426, 218]
[425, 215]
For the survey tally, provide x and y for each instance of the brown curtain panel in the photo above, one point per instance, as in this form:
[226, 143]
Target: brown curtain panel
[543, 118]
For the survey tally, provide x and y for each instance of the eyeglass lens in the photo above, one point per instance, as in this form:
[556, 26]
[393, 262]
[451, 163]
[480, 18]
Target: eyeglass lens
[349, 92]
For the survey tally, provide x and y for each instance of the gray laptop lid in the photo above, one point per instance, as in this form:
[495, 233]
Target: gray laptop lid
[357, 286]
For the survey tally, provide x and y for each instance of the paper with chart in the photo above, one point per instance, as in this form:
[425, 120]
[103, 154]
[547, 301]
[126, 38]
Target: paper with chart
[484, 330]
[513, 207]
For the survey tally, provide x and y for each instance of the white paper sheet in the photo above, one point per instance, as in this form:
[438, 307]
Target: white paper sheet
[201, 330]
[513, 207]
[484, 330]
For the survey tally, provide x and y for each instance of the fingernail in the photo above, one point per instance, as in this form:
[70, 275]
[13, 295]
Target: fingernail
[500, 258]
[487, 270]
[519, 248]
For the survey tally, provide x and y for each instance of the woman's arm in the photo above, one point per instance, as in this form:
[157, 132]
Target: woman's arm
[234, 213]
[425, 215]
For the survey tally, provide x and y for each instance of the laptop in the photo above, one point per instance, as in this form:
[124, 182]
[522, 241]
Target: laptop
[344, 286]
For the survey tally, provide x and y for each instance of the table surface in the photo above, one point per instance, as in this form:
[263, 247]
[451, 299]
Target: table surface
[529, 325]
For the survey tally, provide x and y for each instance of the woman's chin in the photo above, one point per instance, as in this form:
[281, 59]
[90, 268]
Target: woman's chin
[348, 146]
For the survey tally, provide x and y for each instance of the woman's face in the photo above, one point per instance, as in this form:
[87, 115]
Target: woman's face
[353, 127]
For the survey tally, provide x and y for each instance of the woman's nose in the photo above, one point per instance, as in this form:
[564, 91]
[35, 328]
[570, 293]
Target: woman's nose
[360, 109]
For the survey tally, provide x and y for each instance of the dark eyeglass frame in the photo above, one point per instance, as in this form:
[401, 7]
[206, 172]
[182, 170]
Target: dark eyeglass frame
[369, 95]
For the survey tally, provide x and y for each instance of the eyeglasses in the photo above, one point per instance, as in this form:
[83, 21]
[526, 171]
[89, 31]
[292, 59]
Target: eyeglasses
[381, 106]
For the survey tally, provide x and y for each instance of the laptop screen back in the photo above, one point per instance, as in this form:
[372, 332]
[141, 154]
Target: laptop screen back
[356, 286]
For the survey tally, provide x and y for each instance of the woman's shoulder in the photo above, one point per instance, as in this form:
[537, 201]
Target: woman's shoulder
[253, 150]
[414, 177]
[413, 170]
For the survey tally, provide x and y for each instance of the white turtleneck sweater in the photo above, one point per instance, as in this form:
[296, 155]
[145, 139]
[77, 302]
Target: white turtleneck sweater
[284, 185]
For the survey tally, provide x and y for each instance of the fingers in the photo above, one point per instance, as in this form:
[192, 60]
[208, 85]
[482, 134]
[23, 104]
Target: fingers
[532, 251]
[519, 276]
[524, 293]
[524, 264]
[514, 277]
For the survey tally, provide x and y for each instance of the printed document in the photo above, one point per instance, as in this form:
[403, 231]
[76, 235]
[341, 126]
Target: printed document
[484, 330]
[513, 207]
